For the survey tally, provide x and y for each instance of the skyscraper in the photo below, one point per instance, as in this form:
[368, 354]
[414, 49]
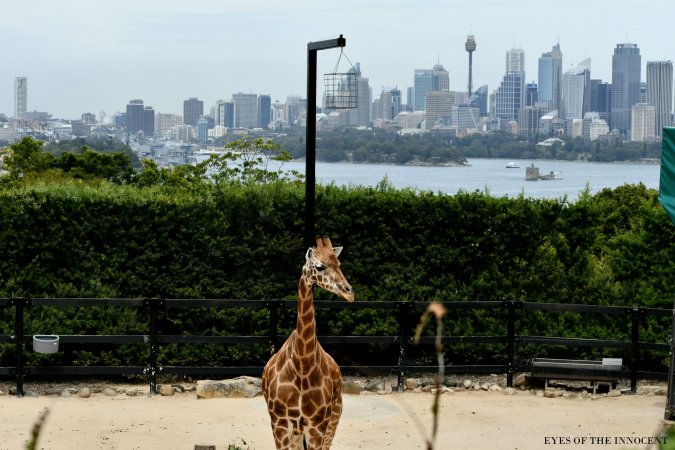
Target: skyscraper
[550, 78]
[642, 122]
[510, 95]
[660, 93]
[427, 80]
[264, 111]
[576, 91]
[515, 60]
[424, 82]
[441, 78]
[135, 116]
[193, 109]
[625, 86]
[245, 110]
[20, 96]
[148, 121]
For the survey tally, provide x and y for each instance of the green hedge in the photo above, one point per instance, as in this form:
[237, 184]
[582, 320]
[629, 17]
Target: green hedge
[70, 240]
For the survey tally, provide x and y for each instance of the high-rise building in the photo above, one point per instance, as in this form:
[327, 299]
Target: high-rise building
[479, 99]
[264, 111]
[193, 109]
[135, 116]
[427, 80]
[600, 98]
[20, 96]
[550, 78]
[515, 60]
[245, 110]
[438, 107]
[625, 86]
[148, 121]
[441, 78]
[164, 122]
[511, 94]
[202, 129]
[576, 91]
[642, 122]
[226, 114]
[660, 93]
[424, 82]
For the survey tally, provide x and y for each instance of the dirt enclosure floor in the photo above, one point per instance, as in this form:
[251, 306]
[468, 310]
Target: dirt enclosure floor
[468, 420]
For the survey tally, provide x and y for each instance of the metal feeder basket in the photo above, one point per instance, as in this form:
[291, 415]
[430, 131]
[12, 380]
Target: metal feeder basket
[341, 90]
[45, 343]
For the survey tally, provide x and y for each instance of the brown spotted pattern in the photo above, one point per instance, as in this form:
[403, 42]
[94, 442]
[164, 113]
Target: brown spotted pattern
[301, 382]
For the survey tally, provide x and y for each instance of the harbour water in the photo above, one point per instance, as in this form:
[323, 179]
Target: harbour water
[492, 176]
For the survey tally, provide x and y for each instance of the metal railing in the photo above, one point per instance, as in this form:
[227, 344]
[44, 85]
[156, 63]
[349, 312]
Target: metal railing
[406, 315]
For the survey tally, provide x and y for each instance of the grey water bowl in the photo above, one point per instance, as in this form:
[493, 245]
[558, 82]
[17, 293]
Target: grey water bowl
[45, 343]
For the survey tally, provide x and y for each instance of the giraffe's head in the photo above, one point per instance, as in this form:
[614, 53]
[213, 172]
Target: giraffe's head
[323, 269]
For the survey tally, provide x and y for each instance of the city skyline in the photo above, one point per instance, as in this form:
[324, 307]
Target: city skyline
[105, 54]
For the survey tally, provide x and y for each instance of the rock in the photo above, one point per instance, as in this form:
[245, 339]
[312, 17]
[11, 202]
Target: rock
[614, 393]
[3, 392]
[485, 386]
[495, 388]
[476, 386]
[521, 380]
[52, 391]
[30, 394]
[410, 384]
[451, 382]
[553, 393]
[442, 390]
[375, 385]
[178, 388]
[387, 386]
[661, 391]
[85, 392]
[509, 391]
[109, 392]
[467, 383]
[166, 390]
[66, 393]
[428, 388]
[428, 382]
[236, 387]
[351, 388]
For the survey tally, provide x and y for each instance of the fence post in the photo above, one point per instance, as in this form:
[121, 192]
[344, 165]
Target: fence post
[19, 305]
[402, 308]
[153, 308]
[670, 402]
[510, 340]
[634, 346]
[273, 305]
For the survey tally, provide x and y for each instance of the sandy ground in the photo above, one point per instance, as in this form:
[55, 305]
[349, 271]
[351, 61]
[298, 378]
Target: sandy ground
[468, 420]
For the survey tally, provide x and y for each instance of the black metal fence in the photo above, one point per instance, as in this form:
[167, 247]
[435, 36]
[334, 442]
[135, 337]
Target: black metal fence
[407, 314]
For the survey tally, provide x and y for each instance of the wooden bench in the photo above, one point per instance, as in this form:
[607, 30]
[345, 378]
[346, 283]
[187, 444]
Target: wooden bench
[608, 371]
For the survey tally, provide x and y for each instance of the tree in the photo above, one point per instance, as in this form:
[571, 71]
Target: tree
[25, 157]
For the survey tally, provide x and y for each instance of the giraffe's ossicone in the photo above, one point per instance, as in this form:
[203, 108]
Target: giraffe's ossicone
[301, 382]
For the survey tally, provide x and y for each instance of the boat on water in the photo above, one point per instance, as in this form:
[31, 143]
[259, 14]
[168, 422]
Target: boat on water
[513, 165]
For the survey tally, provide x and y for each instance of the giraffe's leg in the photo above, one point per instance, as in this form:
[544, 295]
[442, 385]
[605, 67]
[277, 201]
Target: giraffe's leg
[333, 423]
[286, 435]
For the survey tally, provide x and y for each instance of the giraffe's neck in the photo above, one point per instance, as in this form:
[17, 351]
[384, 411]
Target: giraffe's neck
[306, 324]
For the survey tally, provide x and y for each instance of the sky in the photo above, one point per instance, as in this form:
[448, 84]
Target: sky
[93, 56]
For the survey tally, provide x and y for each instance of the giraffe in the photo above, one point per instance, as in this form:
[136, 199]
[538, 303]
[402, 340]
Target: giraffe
[301, 383]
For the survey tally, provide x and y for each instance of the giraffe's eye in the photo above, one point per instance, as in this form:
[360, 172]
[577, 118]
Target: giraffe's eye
[319, 267]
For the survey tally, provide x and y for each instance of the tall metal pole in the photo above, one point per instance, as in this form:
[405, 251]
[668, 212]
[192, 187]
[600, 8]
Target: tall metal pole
[310, 144]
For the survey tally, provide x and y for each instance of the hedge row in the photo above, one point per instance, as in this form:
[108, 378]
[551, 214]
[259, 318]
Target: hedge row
[67, 240]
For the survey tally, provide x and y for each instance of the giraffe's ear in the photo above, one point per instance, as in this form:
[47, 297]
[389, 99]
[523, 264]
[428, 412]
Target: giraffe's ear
[309, 254]
[337, 251]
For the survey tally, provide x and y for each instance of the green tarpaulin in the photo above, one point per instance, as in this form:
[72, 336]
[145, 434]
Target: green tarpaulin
[667, 180]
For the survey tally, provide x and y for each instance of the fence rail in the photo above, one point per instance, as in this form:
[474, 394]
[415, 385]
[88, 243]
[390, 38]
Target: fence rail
[405, 311]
